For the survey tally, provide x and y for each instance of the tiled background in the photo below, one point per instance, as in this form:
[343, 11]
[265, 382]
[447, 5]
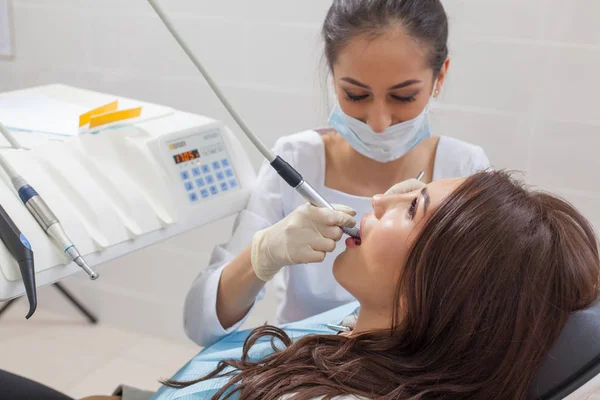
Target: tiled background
[523, 84]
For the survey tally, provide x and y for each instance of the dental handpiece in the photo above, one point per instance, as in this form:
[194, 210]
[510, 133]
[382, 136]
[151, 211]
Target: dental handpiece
[286, 171]
[19, 247]
[295, 180]
[50, 223]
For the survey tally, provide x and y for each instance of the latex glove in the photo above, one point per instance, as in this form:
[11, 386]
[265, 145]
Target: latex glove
[406, 186]
[304, 236]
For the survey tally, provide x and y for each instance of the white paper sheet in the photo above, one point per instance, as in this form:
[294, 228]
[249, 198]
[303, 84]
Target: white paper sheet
[5, 38]
[38, 113]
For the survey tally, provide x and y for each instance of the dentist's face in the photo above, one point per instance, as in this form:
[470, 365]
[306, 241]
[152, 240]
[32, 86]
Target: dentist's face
[371, 271]
[385, 80]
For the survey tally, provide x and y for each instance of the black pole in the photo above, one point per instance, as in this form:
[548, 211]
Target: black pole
[76, 303]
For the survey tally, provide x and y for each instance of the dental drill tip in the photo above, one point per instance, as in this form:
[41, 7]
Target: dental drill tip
[353, 232]
[84, 266]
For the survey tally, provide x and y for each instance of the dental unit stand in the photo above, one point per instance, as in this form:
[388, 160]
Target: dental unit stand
[69, 296]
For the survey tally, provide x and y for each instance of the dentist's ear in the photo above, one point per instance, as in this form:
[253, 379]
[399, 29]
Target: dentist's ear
[406, 186]
[439, 81]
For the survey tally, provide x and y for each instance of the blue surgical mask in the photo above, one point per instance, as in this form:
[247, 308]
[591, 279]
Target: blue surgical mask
[393, 143]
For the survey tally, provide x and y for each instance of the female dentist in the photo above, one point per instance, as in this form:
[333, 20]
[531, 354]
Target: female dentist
[388, 59]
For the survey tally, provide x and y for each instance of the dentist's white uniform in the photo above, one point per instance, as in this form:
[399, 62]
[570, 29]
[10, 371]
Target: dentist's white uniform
[307, 289]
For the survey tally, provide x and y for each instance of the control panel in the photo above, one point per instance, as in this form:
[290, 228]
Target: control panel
[202, 163]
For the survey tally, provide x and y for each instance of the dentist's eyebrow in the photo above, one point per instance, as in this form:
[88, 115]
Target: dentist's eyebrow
[355, 82]
[405, 84]
[398, 86]
[427, 199]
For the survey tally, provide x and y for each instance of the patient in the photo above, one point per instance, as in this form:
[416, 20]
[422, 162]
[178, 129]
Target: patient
[463, 286]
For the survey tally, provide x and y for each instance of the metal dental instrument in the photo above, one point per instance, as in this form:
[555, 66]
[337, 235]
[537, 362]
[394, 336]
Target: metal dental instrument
[50, 224]
[19, 247]
[421, 176]
[286, 171]
[42, 213]
[338, 328]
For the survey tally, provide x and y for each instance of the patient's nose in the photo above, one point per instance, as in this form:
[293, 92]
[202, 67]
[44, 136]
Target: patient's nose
[383, 202]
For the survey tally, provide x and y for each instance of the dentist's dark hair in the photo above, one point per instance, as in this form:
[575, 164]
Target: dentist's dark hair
[488, 286]
[423, 20]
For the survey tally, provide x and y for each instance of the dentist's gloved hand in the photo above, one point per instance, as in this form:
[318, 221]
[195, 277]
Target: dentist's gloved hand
[304, 236]
[406, 186]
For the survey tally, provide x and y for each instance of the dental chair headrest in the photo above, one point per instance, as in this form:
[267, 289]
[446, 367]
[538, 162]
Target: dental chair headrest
[573, 360]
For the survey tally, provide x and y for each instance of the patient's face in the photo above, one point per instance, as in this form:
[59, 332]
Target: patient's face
[371, 271]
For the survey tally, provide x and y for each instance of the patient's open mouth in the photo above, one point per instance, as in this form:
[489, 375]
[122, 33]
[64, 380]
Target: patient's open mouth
[352, 242]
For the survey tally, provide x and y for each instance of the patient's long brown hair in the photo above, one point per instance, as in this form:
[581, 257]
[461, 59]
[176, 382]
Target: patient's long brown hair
[487, 288]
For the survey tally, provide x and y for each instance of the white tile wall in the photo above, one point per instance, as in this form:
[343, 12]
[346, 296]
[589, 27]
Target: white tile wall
[144, 47]
[571, 85]
[507, 136]
[290, 63]
[523, 84]
[45, 37]
[493, 18]
[566, 156]
[497, 75]
[573, 21]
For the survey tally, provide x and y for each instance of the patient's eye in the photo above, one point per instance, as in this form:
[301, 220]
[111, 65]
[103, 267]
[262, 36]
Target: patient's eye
[412, 211]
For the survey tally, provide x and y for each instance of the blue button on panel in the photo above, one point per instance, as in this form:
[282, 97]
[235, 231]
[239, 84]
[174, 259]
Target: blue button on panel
[205, 169]
[229, 173]
[209, 179]
[193, 196]
[196, 171]
[185, 175]
[216, 165]
[189, 186]
[214, 190]
[224, 186]
[220, 176]
[200, 182]
[225, 163]
[204, 193]
[232, 183]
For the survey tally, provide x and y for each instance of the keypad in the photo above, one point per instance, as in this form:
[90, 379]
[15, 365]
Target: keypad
[202, 181]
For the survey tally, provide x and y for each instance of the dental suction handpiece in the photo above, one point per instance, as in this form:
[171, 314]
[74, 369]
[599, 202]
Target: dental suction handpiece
[19, 247]
[286, 171]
